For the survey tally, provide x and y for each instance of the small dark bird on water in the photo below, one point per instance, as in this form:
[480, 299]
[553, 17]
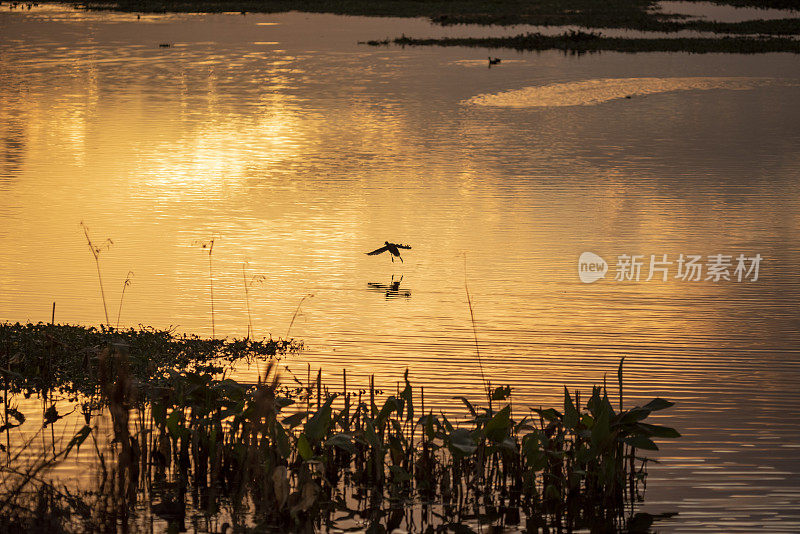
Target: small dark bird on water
[494, 61]
[393, 249]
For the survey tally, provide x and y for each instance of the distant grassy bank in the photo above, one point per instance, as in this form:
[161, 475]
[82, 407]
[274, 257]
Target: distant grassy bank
[643, 15]
[583, 42]
[628, 14]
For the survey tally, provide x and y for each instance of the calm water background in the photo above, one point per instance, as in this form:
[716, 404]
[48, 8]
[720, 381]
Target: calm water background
[299, 150]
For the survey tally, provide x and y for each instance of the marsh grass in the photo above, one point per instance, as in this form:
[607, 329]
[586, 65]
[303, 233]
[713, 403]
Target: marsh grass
[626, 14]
[96, 250]
[296, 312]
[209, 246]
[248, 282]
[580, 42]
[125, 284]
[187, 444]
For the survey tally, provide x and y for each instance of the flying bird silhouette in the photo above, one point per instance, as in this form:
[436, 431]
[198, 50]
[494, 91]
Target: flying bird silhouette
[393, 249]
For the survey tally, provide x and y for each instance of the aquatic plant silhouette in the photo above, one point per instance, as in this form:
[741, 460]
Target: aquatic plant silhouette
[96, 250]
[296, 311]
[209, 244]
[264, 454]
[128, 281]
[486, 384]
[256, 279]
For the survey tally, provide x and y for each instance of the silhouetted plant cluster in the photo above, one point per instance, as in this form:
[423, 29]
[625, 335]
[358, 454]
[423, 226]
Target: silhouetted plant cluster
[189, 445]
[37, 358]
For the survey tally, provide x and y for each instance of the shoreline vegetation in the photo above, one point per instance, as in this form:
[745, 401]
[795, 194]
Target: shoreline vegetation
[746, 37]
[578, 43]
[167, 440]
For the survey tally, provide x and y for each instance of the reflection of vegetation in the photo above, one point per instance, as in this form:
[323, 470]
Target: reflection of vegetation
[189, 446]
[582, 42]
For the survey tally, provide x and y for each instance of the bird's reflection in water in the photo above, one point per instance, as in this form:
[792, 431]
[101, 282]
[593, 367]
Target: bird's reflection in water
[391, 290]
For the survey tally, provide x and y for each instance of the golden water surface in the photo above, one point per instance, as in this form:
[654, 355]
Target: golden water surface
[298, 150]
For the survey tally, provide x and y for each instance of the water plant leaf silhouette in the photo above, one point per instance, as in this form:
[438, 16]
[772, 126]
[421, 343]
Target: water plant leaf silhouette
[304, 448]
[295, 419]
[407, 395]
[601, 429]
[497, 428]
[468, 405]
[658, 431]
[658, 404]
[317, 426]
[570, 412]
[641, 442]
[342, 441]
[549, 414]
[78, 439]
[462, 443]
[501, 393]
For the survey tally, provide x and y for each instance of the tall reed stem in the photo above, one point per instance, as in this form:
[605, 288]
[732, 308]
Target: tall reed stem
[247, 301]
[211, 280]
[486, 385]
[96, 253]
[124, 287]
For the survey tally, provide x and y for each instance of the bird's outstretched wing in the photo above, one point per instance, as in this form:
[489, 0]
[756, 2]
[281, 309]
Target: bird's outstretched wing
[407, 247]
[378, 251]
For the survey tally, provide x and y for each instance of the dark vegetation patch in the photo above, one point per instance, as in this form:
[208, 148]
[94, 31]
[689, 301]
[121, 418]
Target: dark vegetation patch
[627, 14]
[586, 42]
[174, 444]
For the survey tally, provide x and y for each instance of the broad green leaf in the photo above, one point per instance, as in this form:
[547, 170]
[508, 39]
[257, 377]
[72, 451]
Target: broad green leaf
[342, 441]
[497, 428]
[388, 407]
[550, 414]
[641, 442]
[601, 429]
[570, 412]
[317, 426]
[304, 448]
[658, 404]
[174, 420]
[633, 415]
[659, 431]
[281, 439]
[294, 420]
[462, 443]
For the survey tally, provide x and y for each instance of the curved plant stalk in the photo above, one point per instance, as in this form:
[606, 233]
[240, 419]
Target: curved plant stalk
[96, 250]
[125, 285]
